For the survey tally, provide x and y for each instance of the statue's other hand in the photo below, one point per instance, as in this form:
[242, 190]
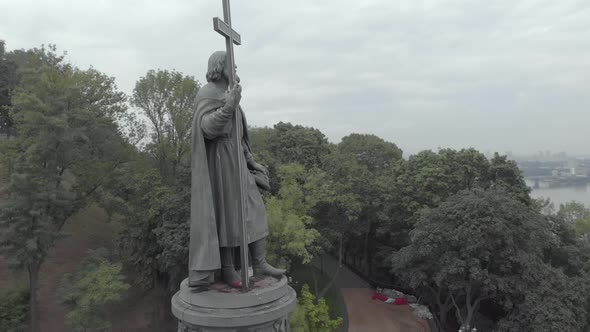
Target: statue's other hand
[260, 168]
[234, 97]
[237, 90]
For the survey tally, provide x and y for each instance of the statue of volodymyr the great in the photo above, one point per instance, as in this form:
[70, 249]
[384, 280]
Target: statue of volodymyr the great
[214, 222]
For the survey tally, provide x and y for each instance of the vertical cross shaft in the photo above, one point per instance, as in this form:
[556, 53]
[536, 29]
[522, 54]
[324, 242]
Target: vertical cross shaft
[229, 44]
[231, 37]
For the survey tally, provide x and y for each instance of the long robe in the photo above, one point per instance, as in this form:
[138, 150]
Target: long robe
[214, 191]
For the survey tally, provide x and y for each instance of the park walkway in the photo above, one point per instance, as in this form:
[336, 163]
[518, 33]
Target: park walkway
[363, 313]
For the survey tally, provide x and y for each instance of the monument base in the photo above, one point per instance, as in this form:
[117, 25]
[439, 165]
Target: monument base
[265, 308]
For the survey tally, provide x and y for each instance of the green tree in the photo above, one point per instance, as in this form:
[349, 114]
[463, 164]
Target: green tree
[335, 217]
[569, 252]
[286, 143]
[577, 215]
[7, 84]
[139, 200]
[357, 167]
[506, 174]
[153, 234]
[317, 313]
[429, 178]
[291, 235]
[297, 320]
[260, 138]
[572, 212]
[154, 202]
[474, 247]
[68, 146]
[298, 144]
[167, 99]
[13, 309]
[91, 293]
[376, 154]
[551, 302]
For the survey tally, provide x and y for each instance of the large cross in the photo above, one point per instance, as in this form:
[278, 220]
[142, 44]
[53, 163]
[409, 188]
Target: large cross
[231, 37]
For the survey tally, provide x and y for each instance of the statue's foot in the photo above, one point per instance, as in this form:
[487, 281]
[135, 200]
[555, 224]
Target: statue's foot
[231, 277]
[198, 279]
[259, 263]
[265, 269]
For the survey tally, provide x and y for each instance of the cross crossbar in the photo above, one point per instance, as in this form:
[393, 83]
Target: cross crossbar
[225, 30]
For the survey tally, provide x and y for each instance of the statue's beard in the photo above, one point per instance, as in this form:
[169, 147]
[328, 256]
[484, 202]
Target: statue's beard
[227, 78]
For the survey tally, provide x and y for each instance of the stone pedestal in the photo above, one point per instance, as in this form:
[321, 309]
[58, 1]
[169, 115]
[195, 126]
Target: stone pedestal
[265, 308]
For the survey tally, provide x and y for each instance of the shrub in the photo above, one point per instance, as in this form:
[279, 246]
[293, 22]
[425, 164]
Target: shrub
[13, 309]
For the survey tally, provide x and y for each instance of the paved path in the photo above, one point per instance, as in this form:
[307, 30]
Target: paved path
[366, 315]
[363, 313]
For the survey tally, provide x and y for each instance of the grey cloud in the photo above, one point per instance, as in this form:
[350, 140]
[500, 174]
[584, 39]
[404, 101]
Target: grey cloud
[499, 75]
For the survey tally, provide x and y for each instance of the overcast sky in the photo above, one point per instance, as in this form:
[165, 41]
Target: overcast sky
[498, 75]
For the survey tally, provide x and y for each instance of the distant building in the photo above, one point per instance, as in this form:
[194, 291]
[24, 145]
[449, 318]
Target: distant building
[582, 171]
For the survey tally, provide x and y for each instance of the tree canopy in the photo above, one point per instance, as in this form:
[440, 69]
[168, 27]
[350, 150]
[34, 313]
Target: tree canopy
[67, 149]
[453, 226]
[485, 247]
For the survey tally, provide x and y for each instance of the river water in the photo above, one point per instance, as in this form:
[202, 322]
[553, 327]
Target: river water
[562, 195]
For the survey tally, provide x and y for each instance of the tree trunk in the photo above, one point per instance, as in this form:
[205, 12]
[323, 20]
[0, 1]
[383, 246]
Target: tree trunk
[442, 315]
[472, 309]
[443, 307]
[161, 303]
[315, 283]
[33, 300]
[457, 310]
[366, 259]
[323, 292]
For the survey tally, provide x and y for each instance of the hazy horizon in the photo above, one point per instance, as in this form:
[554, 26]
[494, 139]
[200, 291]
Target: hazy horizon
[498, 76]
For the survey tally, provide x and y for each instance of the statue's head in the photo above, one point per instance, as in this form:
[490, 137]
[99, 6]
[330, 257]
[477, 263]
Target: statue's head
[216, 68]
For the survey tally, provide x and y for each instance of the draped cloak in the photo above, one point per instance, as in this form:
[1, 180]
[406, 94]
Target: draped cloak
[214, 190]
